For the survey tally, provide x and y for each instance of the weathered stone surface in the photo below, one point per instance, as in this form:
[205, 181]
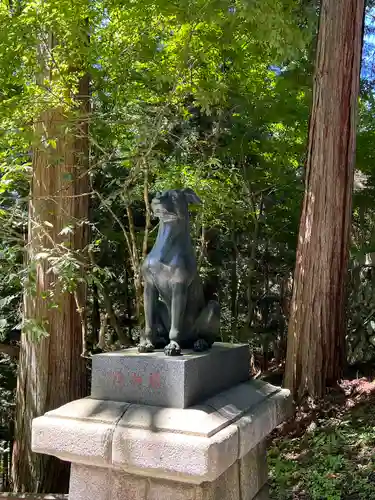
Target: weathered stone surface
[171, 455]
[91, 409]
[168, 490]
[174, 382]
[255, 407]
[227, 486]
[73, 441]
[127, 487]
[87, 482]
[90, 482]
[193, 445]
[80, 431]
[233, 403]
[198, 421]
[259, 421]
[253, 471]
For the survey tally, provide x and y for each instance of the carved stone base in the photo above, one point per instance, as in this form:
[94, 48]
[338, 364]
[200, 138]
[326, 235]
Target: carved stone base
[123, 451]
[239, 482]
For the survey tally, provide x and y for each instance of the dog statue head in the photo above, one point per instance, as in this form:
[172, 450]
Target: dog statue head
[174, 203]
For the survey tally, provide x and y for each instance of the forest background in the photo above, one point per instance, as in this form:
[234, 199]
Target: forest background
[101, 106]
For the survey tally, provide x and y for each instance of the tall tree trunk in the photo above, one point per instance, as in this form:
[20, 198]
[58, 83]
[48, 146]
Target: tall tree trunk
[251, 266]
[316, 336]
[51, 370]
[234, 287]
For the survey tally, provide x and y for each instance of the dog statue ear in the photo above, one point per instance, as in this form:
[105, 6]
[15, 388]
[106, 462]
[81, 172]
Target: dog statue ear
[191, 197]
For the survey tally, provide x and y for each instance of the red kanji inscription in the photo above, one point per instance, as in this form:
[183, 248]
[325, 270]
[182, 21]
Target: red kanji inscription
[118, 377]
[155, 381]
[136, 379]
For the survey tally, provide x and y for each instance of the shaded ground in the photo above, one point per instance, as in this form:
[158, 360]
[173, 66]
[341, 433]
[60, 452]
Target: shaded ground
[327, 452]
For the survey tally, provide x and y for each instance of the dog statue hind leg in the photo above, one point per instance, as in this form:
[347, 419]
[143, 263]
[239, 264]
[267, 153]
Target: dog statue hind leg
[207, 326]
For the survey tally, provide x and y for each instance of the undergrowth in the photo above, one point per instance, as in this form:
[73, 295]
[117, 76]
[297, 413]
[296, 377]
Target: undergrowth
[327, 452]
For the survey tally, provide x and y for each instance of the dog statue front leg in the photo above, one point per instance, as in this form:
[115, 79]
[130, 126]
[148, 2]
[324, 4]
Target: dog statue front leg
[178, 306]
[150, 300]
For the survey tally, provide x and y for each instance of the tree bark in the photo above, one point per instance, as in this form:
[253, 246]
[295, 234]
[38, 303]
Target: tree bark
[51, 370]
[316, 336]
[234, 287]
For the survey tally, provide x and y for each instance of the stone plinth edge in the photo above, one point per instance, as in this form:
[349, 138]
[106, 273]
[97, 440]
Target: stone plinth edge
[191, 445]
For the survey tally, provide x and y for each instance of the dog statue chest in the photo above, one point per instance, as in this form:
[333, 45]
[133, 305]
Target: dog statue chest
[169, 265]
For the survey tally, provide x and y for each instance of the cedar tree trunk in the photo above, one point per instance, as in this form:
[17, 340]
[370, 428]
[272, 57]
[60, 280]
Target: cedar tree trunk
[51, 370]
[316, 336]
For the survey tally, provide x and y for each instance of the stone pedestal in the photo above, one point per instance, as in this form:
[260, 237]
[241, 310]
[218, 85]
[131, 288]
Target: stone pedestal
[127, 451]
[173, 382]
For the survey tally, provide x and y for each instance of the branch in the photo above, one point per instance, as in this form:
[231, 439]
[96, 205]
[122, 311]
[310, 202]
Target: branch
[110, 313]
[122, 227]
[148, 211]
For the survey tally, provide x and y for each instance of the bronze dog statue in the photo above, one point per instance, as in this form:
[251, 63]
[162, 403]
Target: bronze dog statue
[175, 310]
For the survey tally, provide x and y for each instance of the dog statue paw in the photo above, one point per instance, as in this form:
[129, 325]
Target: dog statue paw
[146, 347]
[172, 349]
[201, 345]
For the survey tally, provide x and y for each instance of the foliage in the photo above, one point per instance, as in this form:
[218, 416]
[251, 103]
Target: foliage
[211, 94]
[194, 108]
[333, 459]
